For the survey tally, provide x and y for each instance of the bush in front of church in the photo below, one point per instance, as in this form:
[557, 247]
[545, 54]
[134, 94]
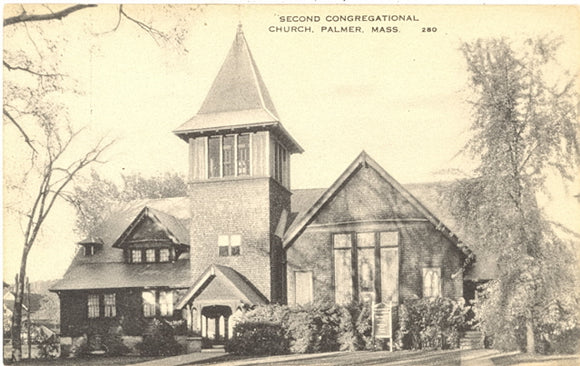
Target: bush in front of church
[431, 323]
[258, 339]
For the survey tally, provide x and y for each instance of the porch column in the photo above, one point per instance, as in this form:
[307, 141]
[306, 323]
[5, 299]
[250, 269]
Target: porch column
[226, 327]
[217, 327]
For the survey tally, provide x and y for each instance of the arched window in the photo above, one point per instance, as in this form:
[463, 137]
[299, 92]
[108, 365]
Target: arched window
[431, 282]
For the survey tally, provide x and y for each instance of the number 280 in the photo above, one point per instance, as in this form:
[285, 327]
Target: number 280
[429, 29]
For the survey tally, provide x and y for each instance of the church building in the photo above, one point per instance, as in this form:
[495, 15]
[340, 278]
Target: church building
[243, 237]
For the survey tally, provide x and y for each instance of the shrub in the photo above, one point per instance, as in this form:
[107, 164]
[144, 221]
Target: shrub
[314, 328]
[258, 338]
[355, 327]
[160, 342]
[48, 347]
[431, 323]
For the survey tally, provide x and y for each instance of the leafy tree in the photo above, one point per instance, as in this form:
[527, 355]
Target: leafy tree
[34, 86]
[95, 198]
[524, 129]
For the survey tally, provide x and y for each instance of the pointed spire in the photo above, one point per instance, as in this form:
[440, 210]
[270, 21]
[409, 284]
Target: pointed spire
[238, 85]
[238, 98]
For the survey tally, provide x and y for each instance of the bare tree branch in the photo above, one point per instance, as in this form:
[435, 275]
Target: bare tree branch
[25, 69]
[147, 28]
[26, 138]
[24, 17]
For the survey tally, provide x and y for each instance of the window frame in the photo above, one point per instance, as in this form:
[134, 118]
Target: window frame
[109, 307]
[161, 256]
[229, 245]
[217, 144]
[166, 309]
[429, 289]
[94, 306]
[354, 269]
[311, 287]
[150, 306]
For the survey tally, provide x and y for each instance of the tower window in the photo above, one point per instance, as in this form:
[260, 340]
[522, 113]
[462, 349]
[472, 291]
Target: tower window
[228, 155]
[214, 154]
[244, 154]
[229, 245]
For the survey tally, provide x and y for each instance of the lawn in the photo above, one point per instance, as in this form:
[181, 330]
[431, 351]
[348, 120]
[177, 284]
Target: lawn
[90, 361]
[523, 359]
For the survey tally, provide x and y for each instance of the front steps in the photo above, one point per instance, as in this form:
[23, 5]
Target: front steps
[472, 339]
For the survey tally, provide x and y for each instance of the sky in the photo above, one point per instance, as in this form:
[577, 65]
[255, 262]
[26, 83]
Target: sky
[401, 97]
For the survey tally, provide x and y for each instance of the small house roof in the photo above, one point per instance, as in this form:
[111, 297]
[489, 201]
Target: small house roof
[241, 288]
[107, 268]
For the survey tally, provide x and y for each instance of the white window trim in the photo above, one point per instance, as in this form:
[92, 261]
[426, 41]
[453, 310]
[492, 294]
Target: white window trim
[311, 294]
[432, 271]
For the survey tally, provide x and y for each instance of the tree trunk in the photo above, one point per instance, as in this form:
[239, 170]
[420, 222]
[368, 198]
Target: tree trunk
[17, 316]
[530, 341]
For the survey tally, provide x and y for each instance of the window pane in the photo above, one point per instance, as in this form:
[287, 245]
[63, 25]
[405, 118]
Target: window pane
[110, 306]
[93, 306]
[136, 256]
[214, 156]
[366, 273]
[243, 154]
[389, 238]
[235, 243]
[150, 255]
[303, 287]
[166, 303]
[342, 276]
[365, 240]
[342, 241]
[389, 274]
[164, 255]
[228, 155]
[431, 282]
[149, 303]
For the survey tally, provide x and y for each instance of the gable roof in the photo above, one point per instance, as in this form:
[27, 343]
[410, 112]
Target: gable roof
[242, 289]
[302, 219]
[107, 268]
[174, 229]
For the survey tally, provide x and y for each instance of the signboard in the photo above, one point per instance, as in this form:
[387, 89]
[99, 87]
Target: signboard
[382, 316]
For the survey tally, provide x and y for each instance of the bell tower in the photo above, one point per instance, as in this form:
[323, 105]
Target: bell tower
[239, 175]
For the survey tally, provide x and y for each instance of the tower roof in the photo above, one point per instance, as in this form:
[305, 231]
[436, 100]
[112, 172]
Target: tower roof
[238, 86]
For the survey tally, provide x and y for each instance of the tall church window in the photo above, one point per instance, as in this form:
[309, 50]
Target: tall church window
[228, 155]
[214, 153]
[244, 154]
[366, 266]
[343, 268]
[303, 286]
[93, 306]
[280, 163]
[431, 282]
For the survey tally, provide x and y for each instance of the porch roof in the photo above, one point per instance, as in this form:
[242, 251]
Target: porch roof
[240, 288]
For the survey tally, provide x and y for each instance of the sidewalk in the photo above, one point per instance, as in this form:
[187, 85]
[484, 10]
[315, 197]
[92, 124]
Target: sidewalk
[186, 359]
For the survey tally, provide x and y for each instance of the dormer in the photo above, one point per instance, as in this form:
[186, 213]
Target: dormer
[153, 237]
[91, 245]
[237, 134]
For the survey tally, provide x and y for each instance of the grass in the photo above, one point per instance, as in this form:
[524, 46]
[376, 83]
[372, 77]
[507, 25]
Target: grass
[543, 360]
[91, 361]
